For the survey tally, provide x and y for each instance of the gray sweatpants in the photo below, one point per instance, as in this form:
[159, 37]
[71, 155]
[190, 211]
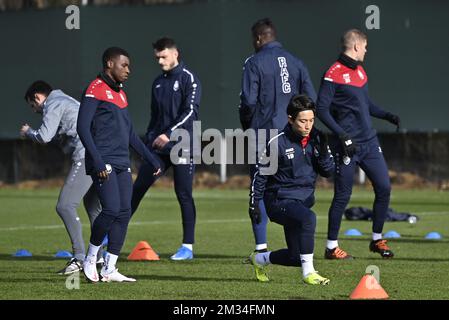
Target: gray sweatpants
[77, 186]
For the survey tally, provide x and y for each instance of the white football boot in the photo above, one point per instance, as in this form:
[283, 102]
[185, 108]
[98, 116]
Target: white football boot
[90, 269]
[114, 276]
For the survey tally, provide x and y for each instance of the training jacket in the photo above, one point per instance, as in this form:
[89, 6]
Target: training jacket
[271, 77]
[299, 163]
[343, 102]
[60, 113]
[105, 128]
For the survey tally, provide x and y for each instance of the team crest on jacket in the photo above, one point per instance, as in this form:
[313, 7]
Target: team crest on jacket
[176, 86]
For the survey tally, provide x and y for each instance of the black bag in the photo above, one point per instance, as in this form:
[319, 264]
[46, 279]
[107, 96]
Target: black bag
[360, 213]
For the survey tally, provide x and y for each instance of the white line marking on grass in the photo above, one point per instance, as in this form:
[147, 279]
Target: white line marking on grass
[429, 213]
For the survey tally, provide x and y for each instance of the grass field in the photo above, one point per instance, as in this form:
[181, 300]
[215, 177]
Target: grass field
[223, 239]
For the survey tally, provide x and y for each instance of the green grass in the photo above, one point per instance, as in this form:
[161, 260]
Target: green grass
[223, 238]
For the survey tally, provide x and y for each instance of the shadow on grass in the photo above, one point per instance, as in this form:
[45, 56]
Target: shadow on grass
[188, 278]
[396, 258]
[10, 257]
[166, 256]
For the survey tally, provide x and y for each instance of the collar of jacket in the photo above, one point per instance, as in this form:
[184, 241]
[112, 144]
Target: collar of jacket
[175, 70]
[295, 137]
[348, 61]
[116, 86]
[272, 44]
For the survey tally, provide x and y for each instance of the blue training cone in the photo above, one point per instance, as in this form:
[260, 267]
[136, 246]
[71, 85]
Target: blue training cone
[22, 253]
[433, 236]
[63, 254]
[391, 234]
[353, 232]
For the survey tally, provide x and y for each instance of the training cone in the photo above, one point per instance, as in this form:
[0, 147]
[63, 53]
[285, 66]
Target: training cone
[63, 254]
[433, 236]
[143, 251]
[391, 235]
[22, 253]
[353, 232]
[368, 288]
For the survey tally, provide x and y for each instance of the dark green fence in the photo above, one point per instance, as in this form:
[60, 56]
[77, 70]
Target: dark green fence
[407, 58]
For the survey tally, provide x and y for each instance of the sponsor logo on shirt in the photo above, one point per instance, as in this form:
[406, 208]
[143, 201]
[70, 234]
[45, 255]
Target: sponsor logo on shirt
[109, 95]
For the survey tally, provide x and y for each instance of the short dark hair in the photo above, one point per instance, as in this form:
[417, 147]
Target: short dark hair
[349, 38]
[111, 53]
[262, 27]
[299, 103]
[38, 86]
[164, 43]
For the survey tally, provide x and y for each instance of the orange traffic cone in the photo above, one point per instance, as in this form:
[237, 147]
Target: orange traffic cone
[143, 251]
[368, 288]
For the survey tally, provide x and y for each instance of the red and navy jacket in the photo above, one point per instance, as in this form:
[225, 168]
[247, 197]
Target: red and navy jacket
[105, 128]
[175, 102]
[343, 102]
[299, 163]
[270, 79]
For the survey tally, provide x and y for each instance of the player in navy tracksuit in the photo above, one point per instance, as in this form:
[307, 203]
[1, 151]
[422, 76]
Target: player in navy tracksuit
[106, 131]
[345, 107]
[175, 101]
[271, 77]
[301, 153]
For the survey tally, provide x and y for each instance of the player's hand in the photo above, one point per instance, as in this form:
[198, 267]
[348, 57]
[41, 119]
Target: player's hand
[254, 213]
[322, 141]
[24, 130]
[393, 119]
[160, 141]
[104, 175]
[349, 146]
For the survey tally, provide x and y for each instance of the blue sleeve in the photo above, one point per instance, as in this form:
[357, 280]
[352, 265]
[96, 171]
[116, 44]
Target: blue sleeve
[34, 136]
[188, 112]
[137, 144]
[376, 111]
[325, 97]
[86, 114]
[259, 180]
[324, 164]
[250, 93]
[307, 85]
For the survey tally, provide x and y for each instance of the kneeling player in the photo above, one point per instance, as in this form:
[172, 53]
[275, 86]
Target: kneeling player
[288, 194]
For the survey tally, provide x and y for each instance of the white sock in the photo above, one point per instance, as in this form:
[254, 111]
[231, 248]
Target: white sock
[261, 246]
[332, 244]
[377, 236]
[109, 263]
[263, 258]
[307, 264]
[92, 252]
[188, 246]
